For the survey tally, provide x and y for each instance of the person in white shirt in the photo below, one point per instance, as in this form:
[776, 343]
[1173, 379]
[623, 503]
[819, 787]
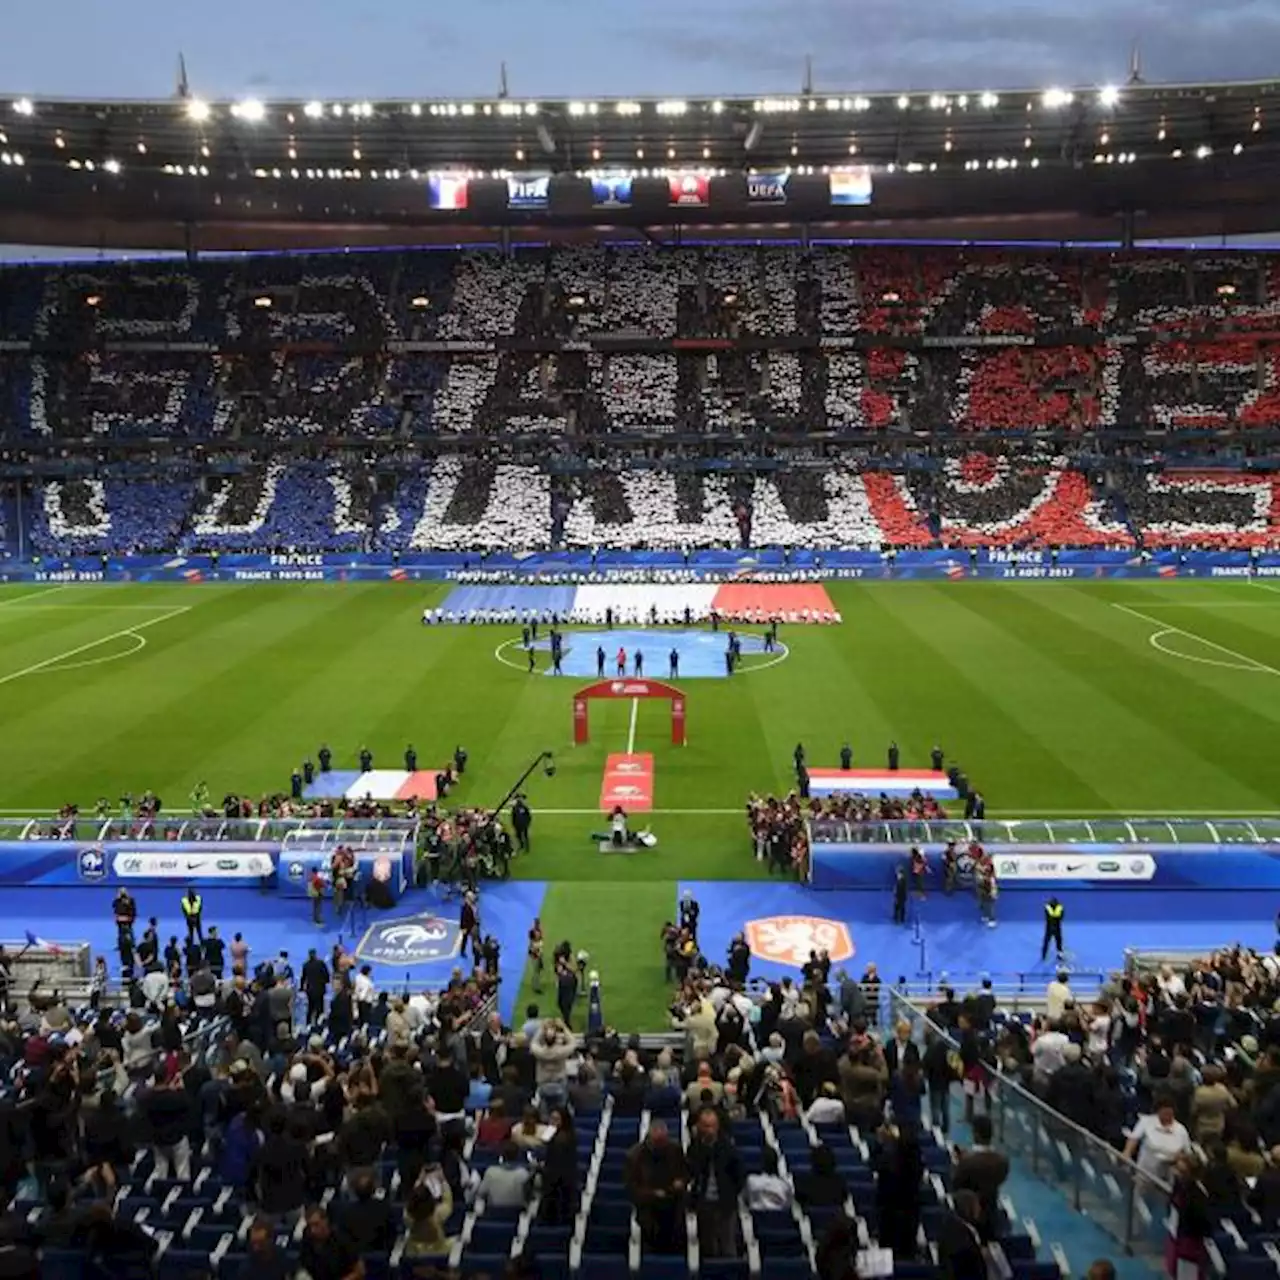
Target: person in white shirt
[364, 991]
[769, 1191]
[1047, 1052]
[1057, 996]
[1171, 983]
[827, 1107]
[1158, 1140]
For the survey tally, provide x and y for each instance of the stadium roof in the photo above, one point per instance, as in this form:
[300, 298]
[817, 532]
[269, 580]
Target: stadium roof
[290, 161]
[499, 135]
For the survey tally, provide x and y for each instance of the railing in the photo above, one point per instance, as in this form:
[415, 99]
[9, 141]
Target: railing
[351, 831]
[1094, 1178]
[1054, 831]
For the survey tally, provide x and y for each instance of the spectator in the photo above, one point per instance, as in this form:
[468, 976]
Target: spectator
[324, 1254]
[366, 1220]
[426, 1213]
[263, 1260]
[961, 1255]
[823, 1185]
[560, 1173]
[768, 1191]
[899, 1169]
[983, 1171]
[505, 1185]
[528, 1135]
[167, 1111]
[1158, 1140]
[656, 1179]
[716, 1180]
[278, 1174]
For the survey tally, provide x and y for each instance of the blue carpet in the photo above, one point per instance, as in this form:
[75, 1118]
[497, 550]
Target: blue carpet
[701, 653]
[945, 935]
[271, 924]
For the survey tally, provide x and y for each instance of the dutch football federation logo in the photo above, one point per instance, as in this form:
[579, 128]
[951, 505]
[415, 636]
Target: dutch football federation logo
[410, 940]
[789, 939]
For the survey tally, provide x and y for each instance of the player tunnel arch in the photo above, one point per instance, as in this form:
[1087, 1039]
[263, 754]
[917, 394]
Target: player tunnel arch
[624, 688]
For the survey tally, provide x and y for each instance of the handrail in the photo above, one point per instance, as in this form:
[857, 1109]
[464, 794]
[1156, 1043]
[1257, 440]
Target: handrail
[1048, 829]
[1095, 1177]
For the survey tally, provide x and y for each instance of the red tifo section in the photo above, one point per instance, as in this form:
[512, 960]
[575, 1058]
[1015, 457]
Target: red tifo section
[420, 786]
[738, 599]
[628, 783]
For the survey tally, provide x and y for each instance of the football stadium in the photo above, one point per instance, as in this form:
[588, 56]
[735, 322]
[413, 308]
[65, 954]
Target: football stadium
[660, 688]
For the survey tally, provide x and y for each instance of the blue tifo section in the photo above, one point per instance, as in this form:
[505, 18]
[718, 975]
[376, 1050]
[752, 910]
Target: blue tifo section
[944, 934]
[542, 600]
[390, 940]
[709, 566]
[701, 653]
[334, 783]
[1087, 867]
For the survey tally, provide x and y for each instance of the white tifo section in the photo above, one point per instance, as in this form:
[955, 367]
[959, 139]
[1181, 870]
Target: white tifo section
[381, 784]
[849, 521]
[517, 515]
[633, 602]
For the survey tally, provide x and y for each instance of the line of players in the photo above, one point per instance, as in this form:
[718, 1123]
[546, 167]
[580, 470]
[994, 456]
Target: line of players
[624, 616]
[732, 654]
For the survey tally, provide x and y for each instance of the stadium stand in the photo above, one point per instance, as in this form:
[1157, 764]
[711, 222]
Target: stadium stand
[945, 397]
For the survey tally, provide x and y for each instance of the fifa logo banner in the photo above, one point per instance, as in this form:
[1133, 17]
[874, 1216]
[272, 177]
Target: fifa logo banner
[528, 192]
[767, 188]
[851, 186]
[611, 191]
[446, 191]
[689, 189]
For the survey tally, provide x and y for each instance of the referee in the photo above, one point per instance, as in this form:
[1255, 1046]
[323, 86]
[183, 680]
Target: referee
[1053, 913]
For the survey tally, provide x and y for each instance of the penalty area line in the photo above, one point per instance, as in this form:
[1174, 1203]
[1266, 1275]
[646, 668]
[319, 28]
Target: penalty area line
[1242, 661]
[93, 644]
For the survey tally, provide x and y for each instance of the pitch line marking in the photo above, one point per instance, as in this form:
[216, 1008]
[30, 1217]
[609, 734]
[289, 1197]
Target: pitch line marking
[1241, 661]
[631, 733]
[45, 663]
[6, 601]
[98, 662]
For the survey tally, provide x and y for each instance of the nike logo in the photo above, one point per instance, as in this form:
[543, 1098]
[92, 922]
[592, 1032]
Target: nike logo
[1076, 866]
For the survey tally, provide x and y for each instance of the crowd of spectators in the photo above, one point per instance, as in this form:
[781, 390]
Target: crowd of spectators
[247, 372]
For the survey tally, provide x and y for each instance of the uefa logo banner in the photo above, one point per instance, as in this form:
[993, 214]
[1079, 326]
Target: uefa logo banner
[410, 940]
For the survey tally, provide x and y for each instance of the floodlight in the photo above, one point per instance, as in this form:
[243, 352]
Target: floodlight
[197, 110]
[251, 110]
[313, 110]
[1053, 98]
[24, 107]
[1109, 96]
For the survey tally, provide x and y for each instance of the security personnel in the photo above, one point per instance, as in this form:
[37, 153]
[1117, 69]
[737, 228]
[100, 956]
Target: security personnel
[1053, 913]
[325, 756]
[366, 759]
[192, 905]
[460, 759]
[846, 757]
[599, 662]
[893, 757]
[798, 756]
[126, 912]
[215, 953]
[295, 784]
[673, 663]
[935, 759]
[900, 894]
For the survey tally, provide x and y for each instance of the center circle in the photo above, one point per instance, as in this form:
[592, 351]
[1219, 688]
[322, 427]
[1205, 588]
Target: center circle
[700, 652]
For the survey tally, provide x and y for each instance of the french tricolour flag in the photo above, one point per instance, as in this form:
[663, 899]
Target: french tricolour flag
[34, 940]
[874, 782]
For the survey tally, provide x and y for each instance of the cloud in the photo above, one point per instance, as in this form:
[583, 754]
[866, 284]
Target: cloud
[885, 44]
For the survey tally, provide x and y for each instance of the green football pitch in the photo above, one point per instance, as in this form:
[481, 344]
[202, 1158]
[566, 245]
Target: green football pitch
[1057, 698]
